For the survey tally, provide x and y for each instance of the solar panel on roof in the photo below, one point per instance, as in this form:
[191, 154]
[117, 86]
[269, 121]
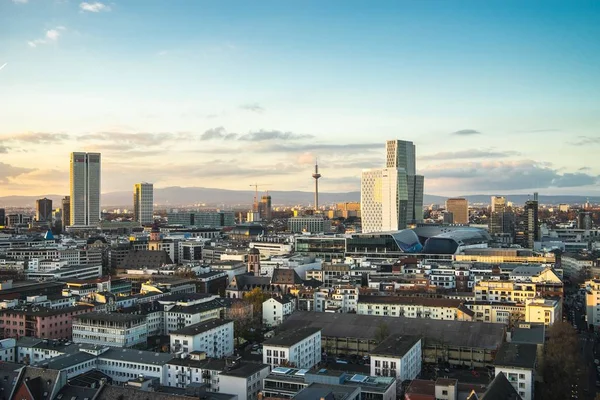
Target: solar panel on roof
[322, 371]
[301, 372]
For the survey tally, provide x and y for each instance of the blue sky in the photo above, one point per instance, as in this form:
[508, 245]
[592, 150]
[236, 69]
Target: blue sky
[499, 96]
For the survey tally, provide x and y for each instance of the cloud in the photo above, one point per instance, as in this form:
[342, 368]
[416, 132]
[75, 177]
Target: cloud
[4, 149]
[466, 154]
[319, 147]
[50, 36]
[3, 65]
[466, 132]
[585, 141]
[20, 1]
[128, 141]
[263, 135]
[584, 169]
[162, 53]
[503, 175]
[540, 130]
[217, 133]
[8, 171]
[93, 7]
[36, 137]
[253, 107]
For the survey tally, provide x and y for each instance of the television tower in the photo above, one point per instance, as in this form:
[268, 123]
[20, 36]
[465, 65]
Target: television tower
[316, 176]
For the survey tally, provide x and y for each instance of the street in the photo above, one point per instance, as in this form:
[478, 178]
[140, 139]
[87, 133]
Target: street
[586, 387]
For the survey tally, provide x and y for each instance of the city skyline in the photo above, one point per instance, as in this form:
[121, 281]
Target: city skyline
[499, 97]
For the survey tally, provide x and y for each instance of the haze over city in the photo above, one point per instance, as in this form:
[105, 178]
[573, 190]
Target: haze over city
[498, 96]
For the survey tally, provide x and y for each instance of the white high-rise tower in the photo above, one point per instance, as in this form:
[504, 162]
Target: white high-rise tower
[143, 203]
[85, 188]
[392, 197]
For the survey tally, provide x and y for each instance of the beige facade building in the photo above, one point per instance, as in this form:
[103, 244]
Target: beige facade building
[459, 208]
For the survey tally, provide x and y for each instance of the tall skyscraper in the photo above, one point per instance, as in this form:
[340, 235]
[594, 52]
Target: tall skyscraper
[402, 154]
[143, 203]
[459, 208]
[383, 200]
[265, 209]
[392, 197]
[531, 222]
[85, 189]
[66, 211]
[43, 210]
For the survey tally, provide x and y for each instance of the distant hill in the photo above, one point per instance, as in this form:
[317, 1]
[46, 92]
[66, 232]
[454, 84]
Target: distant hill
[182, 196]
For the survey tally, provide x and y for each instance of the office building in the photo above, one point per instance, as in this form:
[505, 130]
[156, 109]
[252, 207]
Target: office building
[265, 209]
[531, 223]
[143, 203]
[309, 224]
[66, 211]
[584, 220]
[383, 200]
[43, 210]
[85, 189]
[459, 208]
[2, 216]
[392, 197]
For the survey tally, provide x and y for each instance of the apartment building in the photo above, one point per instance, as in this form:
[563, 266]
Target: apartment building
[414, 307]
[276, 309]
[504, 291]
[300, 348]
[545, 311]
[40, 322]
[518, 362]
[214, 338]
[110, 329]
[592, 301]
[398, 356]
[188, 309]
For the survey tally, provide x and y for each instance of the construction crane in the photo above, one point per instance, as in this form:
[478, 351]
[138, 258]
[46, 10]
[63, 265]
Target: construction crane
[256, 185]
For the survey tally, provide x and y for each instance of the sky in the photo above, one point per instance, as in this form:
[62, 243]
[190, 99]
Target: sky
[498, 96]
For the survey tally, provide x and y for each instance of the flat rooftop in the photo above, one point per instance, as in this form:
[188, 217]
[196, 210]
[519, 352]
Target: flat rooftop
[517, 355]
[201, 327]
[110, 317]
[480, 335]
[291, 337]
[396, 345]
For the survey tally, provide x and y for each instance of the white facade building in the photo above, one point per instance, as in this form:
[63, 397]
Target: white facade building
[110, 329]
[398, 356]
[244, 381]
[143, 203]
[85, 188]
[8, 350]
[214, 337]
[300, 348]
[125, 364]
[185, 312]
[518, 362]
[383, 200]
[592, 302]
[276, 309]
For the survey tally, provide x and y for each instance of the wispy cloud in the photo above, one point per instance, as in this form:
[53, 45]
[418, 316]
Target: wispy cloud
[35, 137]
[253, 107]
[350, 148]
[50, 36]
[2, 66]
[4, 149]
[8, 171]
[162, 53]
[584, 169]
[20, 1]
[217, 133]
[93, 7]
[466, 132]
[263, 135]
[468, 154]
[540, 130]
[128, 140]
[585, 141]
[505, 175]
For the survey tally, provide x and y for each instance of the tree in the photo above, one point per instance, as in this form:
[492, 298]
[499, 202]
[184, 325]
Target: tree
[256, 297]
[382, 332]
[562, 359]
